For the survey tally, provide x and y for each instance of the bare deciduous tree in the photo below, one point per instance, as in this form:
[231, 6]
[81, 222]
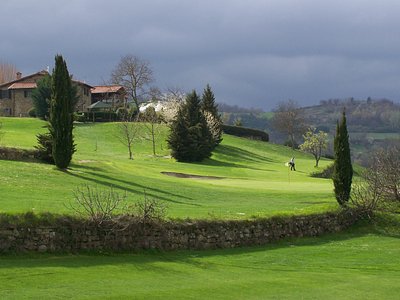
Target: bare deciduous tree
[7, 72]
[176, 93]
[98, 205]
[152, 124]
[385, 171]
[289, 119]
[149, 210]
[380, 187]
[134, 74]
[127, 132]
[155, 94]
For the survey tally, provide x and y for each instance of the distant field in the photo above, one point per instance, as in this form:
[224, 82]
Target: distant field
[376, 135]
[255, 179]
[363, 263]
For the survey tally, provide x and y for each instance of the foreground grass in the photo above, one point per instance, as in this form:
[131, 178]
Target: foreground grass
[363, 263]
[255, 181]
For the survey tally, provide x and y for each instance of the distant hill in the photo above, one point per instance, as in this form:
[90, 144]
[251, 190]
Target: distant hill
[371, 123]
[369, 115]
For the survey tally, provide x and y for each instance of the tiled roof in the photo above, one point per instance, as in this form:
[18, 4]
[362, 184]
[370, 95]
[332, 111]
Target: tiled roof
[43, 73]
[82, 83]
[100, 104]
[22, 85]
[102, 89]
[24, 78]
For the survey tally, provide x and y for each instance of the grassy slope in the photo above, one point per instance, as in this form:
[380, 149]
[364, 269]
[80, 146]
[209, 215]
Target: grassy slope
[256, 180]
[363, 263]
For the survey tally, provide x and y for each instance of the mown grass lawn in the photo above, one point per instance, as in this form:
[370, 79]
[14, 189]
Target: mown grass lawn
[255, 179]
[363, 263]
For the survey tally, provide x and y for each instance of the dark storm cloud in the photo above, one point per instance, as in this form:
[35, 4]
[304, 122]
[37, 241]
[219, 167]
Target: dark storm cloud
[253, 53]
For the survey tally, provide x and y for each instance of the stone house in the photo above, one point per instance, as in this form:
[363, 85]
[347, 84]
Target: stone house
[16, 95]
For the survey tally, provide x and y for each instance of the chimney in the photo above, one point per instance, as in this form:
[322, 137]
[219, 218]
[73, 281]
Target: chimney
[19, 75]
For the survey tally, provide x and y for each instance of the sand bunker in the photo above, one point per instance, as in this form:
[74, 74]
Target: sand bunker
[183, 175]
[85, 161]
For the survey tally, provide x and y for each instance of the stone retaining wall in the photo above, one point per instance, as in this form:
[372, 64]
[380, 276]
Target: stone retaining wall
[8, 153]
[72, 235]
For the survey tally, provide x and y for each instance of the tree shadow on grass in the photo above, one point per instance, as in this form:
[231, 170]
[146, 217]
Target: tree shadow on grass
[86, 167]
[236, 153]
[152, 192]
[219, 163]
[241, 158]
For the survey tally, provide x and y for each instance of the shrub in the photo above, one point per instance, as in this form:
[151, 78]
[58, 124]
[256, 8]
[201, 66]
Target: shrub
[122, 113]
[100, 116]
[325, 173]
[289, 143]
[79, 117]
[250, 133]
[32, 112]
[149, 210]
[45, 148]
[98, 205]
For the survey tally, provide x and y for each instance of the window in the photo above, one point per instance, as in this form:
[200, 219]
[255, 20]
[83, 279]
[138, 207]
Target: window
[27, 93]
[5, 94]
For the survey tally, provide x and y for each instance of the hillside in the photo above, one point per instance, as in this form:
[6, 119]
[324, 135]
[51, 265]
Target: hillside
[371, 123]
[362, 262]
[254, 179]
[378, 116]
[381, 116]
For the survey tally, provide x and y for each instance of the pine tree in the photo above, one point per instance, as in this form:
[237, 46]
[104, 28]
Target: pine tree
[61, 114]
[177, 140]
[189, 139]
[210, 112]
[342, 168]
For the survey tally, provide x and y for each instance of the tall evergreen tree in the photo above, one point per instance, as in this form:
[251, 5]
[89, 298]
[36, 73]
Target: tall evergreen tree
[189, 139]
[177, 139]
[61, 114]
[342, 169]
[210, 112]
[41, 97]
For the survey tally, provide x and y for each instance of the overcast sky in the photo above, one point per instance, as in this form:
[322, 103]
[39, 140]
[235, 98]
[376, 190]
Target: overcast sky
[252, 53]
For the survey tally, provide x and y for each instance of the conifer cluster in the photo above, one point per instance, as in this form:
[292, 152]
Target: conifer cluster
[196, 130]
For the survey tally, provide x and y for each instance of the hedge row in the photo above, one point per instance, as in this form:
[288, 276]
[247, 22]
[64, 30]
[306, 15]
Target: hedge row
[245, 132]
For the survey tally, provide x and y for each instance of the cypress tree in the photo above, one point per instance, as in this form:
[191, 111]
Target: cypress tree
[210, 112]
[189, 138]
[61, 114]
[342, 168]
